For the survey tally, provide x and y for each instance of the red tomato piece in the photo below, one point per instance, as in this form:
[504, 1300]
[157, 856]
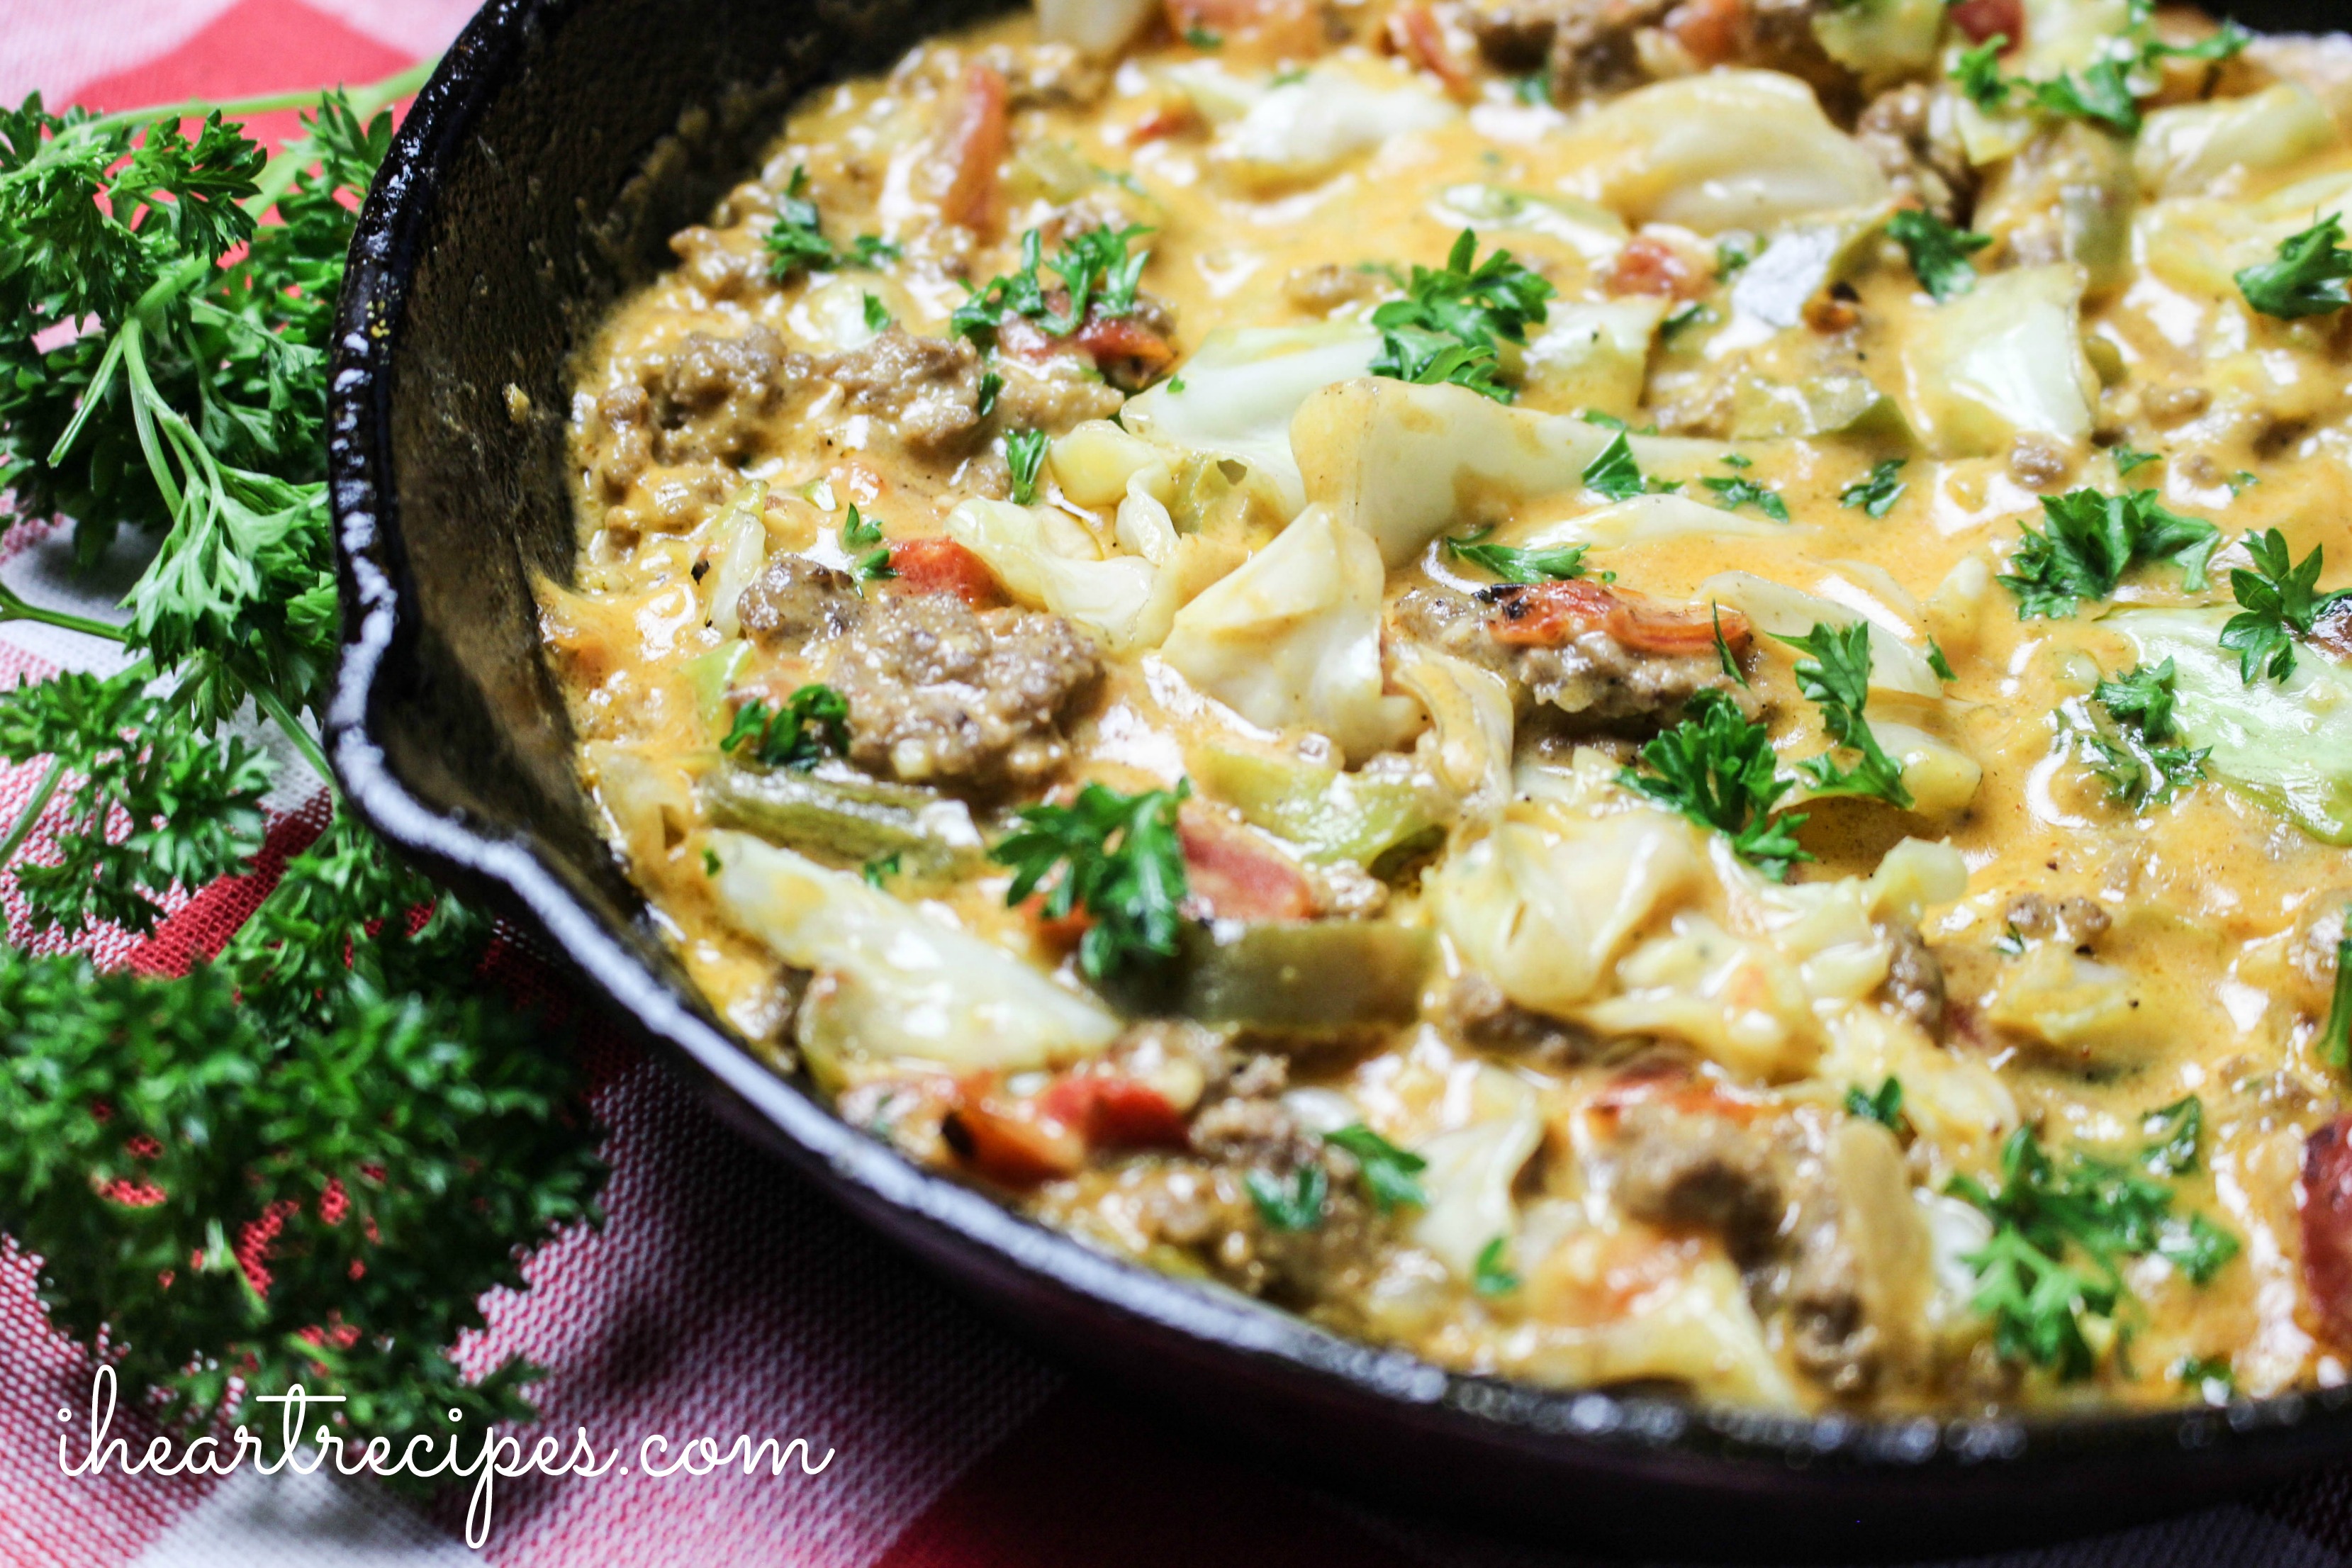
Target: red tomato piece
[1239, 876]
[1649, 266]
[1113, 1112]
[1007, 1147]
[942, 567]
[1981, 19]
[1708, 29]
[974, 140]
[2327, 1229]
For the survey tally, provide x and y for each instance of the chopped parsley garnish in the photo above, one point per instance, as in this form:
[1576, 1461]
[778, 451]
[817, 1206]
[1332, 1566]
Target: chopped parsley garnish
[814, 725]
[991, 385]
[710, 866]
[1093, 269]
[1024, 454]
[858, 532]
[1298, 1207]
[1875, 493]
[1558, 563]
[2047, 1214]
[1977, 75]
[1534, 88]
[1492, 1275]
[1202, 37]
[1836, 677]
[1938, 251]
[2207, 1374]
[2135, 759]
[2175, 1131]
[2091, 539]
[2102, 94]
[796, 240]
[1447, 327]
[1691, 314]
[2306, 278]
[1604, 420]
[1937, 662]
[1884, 1107]
[874, 566]
[1389, 1171]
[2126, 459]
[1120, 861]
[1717, 768]
[879, 870]
[1743, 492]
[1731, 670]
[2335, 1040]
[2279, 603]
[1732, 256]
[878, 315]
[1614, 475]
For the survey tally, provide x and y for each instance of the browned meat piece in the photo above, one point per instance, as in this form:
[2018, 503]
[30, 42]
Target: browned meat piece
[1593, 49]
[1514, 36]
[2326, 1206]
[1897, 131]
[1915, 978]
[1477, 1012]
[709, 400]
[2038, 462]
[1591, 676]
[720, 271]
[795, 601]
[929, 388]
[1052, 397]
[1687, 1169]
[941, 694]
[2078, 921]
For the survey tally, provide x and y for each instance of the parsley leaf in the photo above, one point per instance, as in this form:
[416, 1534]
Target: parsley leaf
[1875, 493]
[1938, 251]
[2126, 459]
[2279, 604]
[878, 315]
[1615, 476]
[1743, 492]
[1095, 275]
[1884, 1107]
[812, 725]
[796, 242]
[1491, 1274]
[2091, 539]
[991, 385]
[1977, 73]
[2176, 1130]
[1120, 861]
[1558, 563]
[2335, 1040]
[1836, 677]
[1448, 325]
[1731, 670]
[2046, 1211]
[2139, 767]
[1937, 662]
[2102, 94]
[1389, 1171]
[1717, 769]
[1297, 1207]
[2308, 276]
[857, 532]
[880, 869]
[1024, 454]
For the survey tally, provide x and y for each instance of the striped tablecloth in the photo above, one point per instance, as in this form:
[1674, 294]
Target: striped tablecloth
[723, 1296]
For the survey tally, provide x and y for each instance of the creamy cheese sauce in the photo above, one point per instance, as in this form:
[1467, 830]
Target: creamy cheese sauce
[1551, 1082]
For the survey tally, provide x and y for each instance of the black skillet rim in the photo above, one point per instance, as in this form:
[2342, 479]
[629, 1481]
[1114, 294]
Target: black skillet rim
[1734, 1448]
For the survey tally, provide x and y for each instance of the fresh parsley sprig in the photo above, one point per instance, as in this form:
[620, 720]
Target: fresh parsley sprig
[2279, 604]
[1836, 677]
[1737, 490]
[1716, 768]
[2137, 757]
[2305, 278]
[1938, 252]
[2336, 1036]
[1119, 858]
[2091, 538]
[2047, 1211]
[813, 724]
[1875, 493]
[1389, 1171]
[1556, 563]
[1616, 475]
[1452, 319]
[1094, 272]
[796, 242]
[1024, 456]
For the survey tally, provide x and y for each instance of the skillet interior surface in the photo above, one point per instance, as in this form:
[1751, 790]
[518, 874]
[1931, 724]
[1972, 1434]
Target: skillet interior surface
[539, 176]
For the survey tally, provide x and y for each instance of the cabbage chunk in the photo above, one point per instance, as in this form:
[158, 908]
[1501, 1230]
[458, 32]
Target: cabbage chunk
[2003, 360]
[888, 981]
[1302, 130]
[1241, 389]
[1292, 638]
[1729, 149]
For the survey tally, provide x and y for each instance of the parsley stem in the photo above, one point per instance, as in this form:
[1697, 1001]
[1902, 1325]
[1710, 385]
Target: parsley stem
[12, 607]
[273, 705]
[26, 819]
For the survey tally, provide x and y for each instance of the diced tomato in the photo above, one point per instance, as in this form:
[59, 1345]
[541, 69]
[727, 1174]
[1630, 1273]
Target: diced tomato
[2327, 1229]
[1651, 266]
[1545, 615]
[1708, 29]
[1237, 875]
[1113, 1112]
[973, 140]
[1061, 933]
[1415, 32]
[1018, 1151]
[1123, 340]
[1672, 1084]
[1169, 116]
[942, 567]
[1980, 19]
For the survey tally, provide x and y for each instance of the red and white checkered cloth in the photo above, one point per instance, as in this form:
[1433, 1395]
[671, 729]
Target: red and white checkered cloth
[723, 1296]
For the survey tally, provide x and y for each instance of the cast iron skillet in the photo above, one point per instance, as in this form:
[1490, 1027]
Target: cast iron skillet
[539, 173]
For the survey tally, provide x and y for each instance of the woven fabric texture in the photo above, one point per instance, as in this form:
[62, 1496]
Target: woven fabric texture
[723, 1296]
